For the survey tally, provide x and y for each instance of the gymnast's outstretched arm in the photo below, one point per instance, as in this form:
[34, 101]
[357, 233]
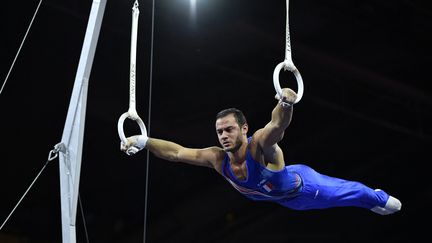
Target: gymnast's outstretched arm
[174, 152]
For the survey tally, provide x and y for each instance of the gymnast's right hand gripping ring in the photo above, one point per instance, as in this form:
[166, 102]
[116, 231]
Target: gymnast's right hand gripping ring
[133, 149]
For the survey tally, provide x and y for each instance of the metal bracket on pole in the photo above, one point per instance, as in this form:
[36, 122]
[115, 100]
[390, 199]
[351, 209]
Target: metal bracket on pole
[73, 132]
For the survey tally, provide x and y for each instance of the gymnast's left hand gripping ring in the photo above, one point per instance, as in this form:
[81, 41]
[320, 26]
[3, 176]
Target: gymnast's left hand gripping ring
[288, 66]
[133, 149]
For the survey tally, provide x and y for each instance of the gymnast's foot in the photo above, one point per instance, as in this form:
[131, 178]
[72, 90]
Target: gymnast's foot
[393, 205]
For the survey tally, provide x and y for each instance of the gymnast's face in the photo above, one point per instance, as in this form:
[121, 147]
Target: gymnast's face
[230, 134]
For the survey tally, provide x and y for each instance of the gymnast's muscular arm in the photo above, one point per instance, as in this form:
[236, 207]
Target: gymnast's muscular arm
[274, 131]
[209, 157]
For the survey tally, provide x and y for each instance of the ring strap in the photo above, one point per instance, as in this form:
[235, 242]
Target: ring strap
[288, 64]
[132, 113]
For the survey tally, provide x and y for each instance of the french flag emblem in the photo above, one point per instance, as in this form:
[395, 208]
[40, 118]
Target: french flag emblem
[268, 187]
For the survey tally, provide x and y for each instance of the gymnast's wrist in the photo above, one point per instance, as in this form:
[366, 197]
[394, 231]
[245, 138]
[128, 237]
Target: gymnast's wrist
[142, 141]
[284, 104]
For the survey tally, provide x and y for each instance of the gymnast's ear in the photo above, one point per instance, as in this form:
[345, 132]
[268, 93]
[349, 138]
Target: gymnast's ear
[245, 128]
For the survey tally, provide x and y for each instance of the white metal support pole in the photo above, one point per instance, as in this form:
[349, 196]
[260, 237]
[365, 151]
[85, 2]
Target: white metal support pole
[73, 132]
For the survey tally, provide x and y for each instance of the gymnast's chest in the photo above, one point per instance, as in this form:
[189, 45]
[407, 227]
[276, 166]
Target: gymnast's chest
[239, 170]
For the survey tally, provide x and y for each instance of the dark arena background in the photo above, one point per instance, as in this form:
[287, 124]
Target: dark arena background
[366, 115]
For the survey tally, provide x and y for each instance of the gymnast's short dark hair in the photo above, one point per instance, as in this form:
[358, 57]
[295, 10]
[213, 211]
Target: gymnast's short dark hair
[238, 115]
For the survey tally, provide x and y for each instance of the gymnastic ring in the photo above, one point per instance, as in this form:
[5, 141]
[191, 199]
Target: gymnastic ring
[120, 126]
[296, 73]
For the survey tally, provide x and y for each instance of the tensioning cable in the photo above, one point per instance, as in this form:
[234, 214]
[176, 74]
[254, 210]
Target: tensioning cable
[21, 45]
[51, 156]
[288, 64]
[149, 122]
